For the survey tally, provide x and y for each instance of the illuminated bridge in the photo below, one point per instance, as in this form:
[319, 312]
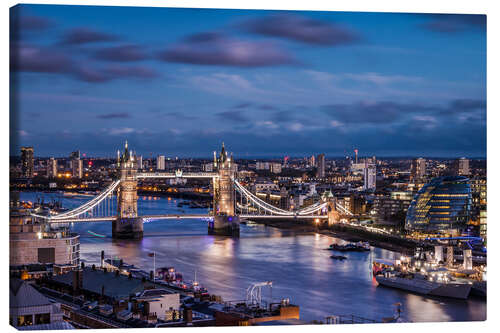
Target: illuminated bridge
[232, 202]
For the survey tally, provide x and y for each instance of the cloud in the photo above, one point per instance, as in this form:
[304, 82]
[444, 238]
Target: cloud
[301, 29]
[120, 131]
[381, 79]
[130, 72]
[109, 73]
[122, 53]
[455, 23]
[114, 116]
[242, 105]
[386, 112]
[20, 22]
[179, 116]
[235, 116]
[217, 49]
[85, 36]
[28, 58]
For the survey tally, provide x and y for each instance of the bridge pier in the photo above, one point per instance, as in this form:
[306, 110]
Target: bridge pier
[128, 228]
[225, 226]
[128, 225]
[225, 221]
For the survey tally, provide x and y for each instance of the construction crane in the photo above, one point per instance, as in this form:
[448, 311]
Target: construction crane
[254, 292]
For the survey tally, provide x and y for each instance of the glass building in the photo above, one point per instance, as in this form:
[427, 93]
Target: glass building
[442, 207]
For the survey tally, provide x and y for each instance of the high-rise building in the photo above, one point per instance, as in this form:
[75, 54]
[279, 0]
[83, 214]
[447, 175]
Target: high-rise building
[75, 155]
[139, 162]
[77, 168]
[27, 162]
[160, 162]
[320, 165]
[52, 168]
[418, 169]
[461, 167]
[369, 176]
[312, 161]
[76, 164]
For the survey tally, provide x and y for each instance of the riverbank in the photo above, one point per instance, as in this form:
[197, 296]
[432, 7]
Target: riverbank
[347, 233]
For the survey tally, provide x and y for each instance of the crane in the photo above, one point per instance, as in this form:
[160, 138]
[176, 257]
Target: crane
[254, 292]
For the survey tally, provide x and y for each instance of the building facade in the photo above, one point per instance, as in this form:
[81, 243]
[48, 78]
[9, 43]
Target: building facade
[160, 162]
[418, 169]
[27, 162]
[441, 207]
[320, 166]
[32, 243]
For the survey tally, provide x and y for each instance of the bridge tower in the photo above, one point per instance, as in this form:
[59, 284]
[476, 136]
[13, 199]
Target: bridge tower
[128, 225]
[225, 221]
[333, 214]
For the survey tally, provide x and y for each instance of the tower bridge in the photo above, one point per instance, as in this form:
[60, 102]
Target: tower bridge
[232, 202]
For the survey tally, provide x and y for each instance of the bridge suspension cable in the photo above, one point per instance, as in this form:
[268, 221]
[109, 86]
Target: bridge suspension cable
[261, 204]
[85, 208]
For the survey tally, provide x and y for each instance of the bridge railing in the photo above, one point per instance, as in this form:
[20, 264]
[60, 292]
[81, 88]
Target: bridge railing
[143, 175]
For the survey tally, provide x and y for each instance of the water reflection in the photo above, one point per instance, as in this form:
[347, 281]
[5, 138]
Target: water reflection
[297, 264]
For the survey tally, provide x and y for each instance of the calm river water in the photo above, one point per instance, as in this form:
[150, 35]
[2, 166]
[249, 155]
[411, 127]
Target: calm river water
[296, 263]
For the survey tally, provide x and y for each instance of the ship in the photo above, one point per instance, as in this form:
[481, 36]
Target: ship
[420, 284]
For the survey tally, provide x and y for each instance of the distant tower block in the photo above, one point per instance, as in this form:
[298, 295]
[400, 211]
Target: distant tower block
[225, 220]
[127, 224]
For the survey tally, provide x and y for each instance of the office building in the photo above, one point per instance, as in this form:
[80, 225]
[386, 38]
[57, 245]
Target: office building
[418, 169]
[479, 203]
[77, 168]
[160, 162]
[460, 167]
[52, 168]
[27, 162]
[369, 177]
[275, 167]
[443, 206]
[320, 166]
[139, 162]
[312, 161]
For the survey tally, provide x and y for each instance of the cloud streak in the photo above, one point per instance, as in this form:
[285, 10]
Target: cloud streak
[121, 115]
[78, 36]
[217, 49]
[122, 53]
[301, 29]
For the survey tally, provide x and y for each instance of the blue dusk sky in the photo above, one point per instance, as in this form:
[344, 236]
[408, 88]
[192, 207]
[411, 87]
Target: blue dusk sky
[268, 83]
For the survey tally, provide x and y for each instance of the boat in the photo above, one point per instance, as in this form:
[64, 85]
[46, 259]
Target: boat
[422, 284]
[338, 257]
[354, 247]
[96, 234]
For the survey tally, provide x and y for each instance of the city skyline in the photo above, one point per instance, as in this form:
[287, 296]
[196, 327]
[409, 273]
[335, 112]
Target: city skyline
[183, 80]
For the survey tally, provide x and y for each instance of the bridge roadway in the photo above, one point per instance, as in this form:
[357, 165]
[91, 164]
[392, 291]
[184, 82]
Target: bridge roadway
[177, 174]
[187, 216]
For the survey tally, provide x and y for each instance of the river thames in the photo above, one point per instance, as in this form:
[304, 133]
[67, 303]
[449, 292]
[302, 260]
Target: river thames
[296, 263]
